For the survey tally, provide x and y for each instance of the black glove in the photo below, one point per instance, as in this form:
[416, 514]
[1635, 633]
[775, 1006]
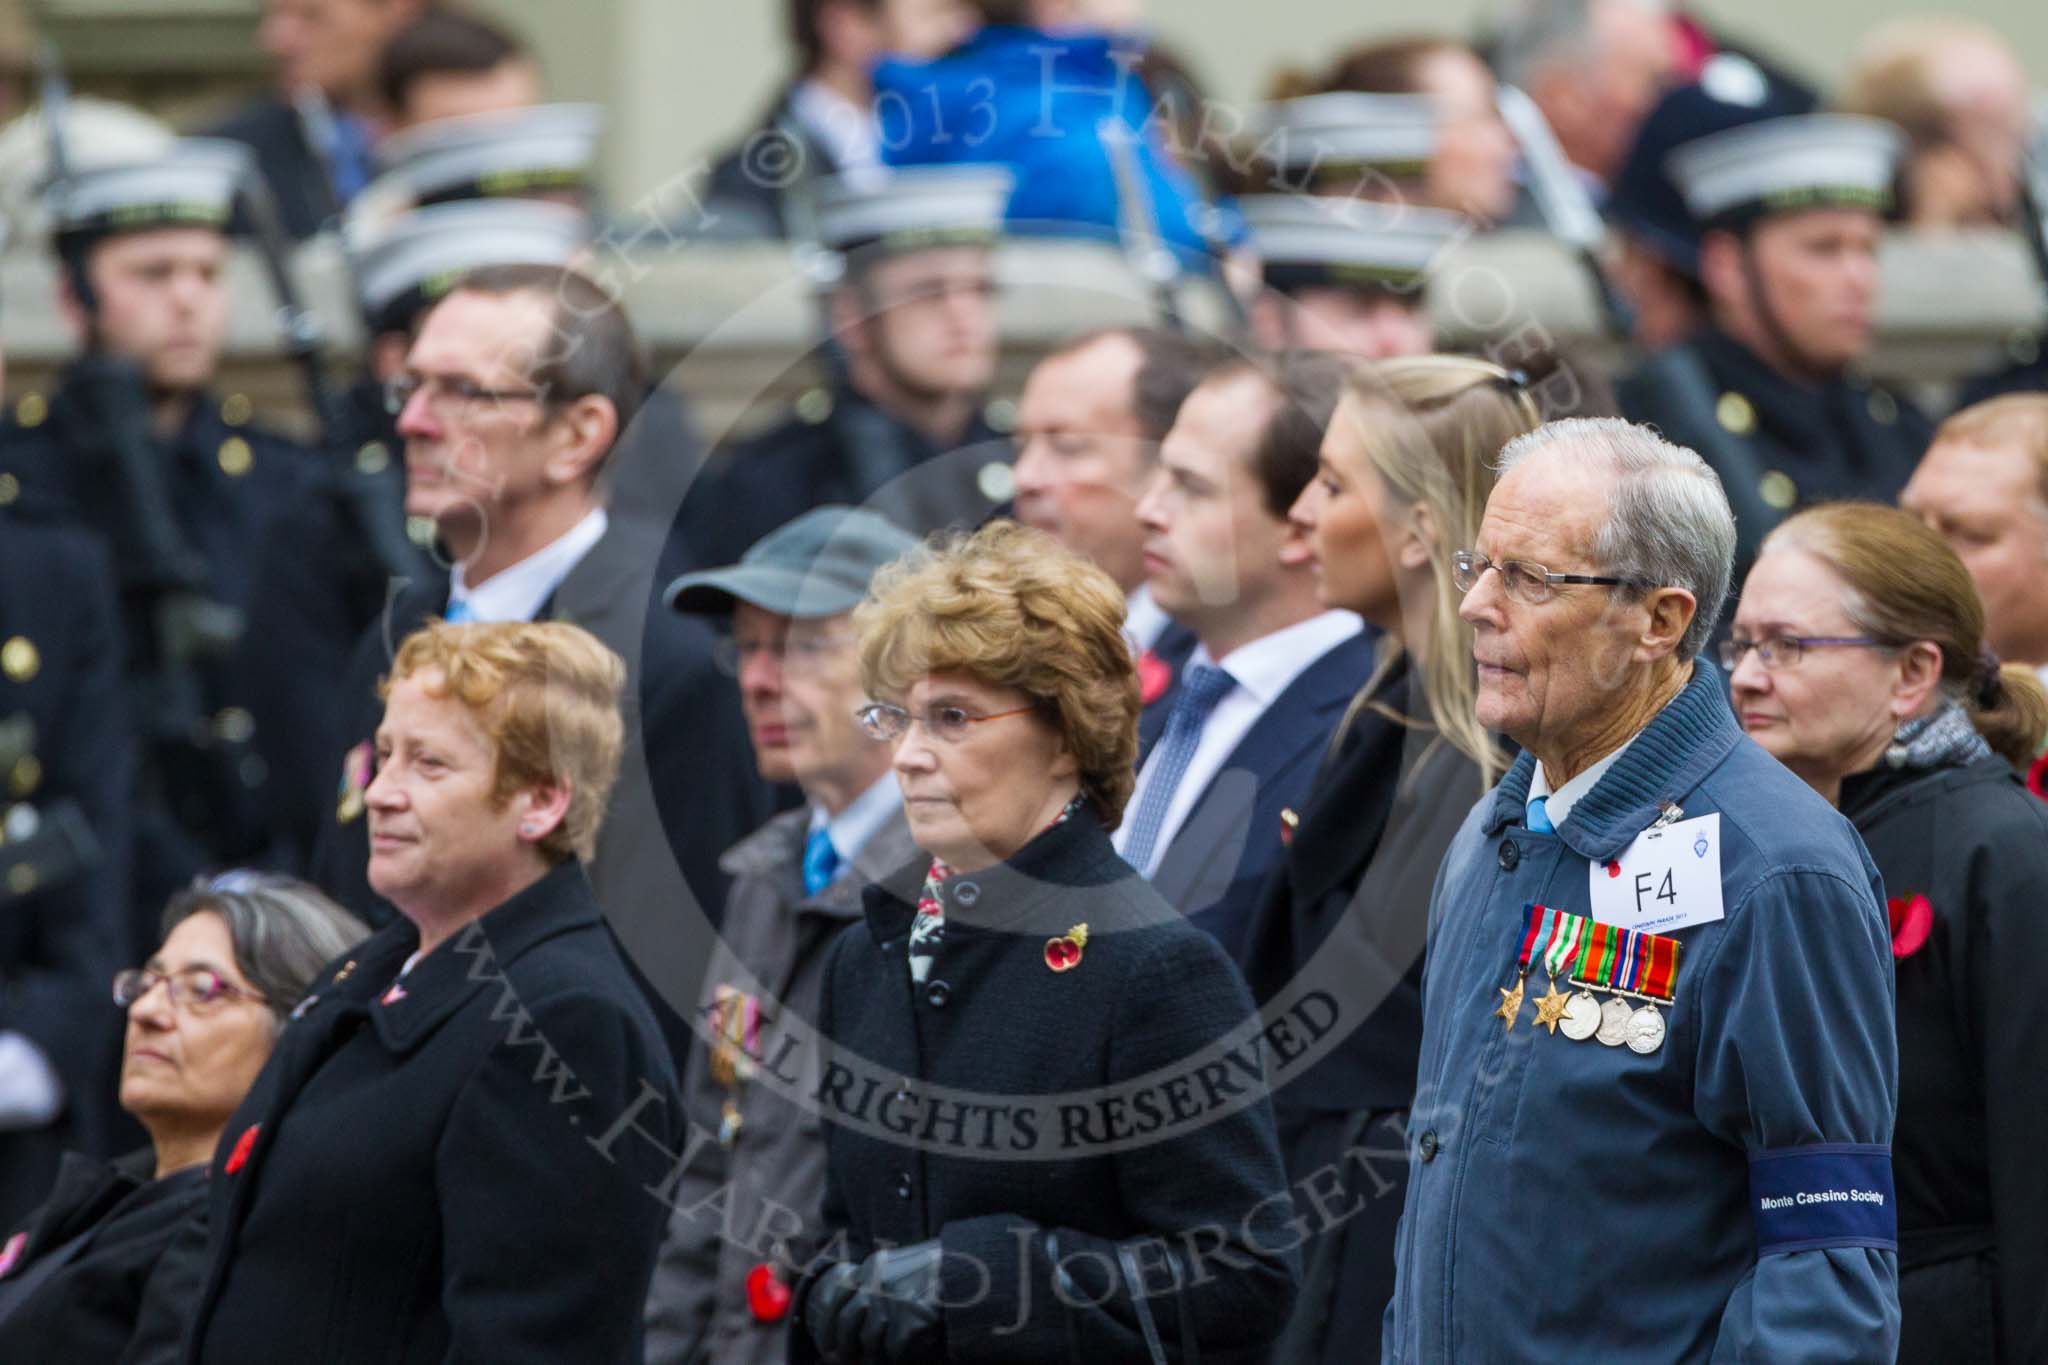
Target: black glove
[884, 1311]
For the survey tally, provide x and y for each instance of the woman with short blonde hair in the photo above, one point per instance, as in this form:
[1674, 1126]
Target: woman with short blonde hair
[436, 1105]
[1021, 959]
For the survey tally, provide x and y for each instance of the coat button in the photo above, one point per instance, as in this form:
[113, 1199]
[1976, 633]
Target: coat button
[1428, 1145]
[937, 994]
[967, 893]
[903, 1185]
[1510, 855]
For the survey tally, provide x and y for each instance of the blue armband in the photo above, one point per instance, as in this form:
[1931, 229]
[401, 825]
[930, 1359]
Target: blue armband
[1829, 1194]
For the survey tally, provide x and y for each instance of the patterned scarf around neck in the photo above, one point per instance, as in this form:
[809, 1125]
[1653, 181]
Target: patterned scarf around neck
[1945, 739]
[928, 928]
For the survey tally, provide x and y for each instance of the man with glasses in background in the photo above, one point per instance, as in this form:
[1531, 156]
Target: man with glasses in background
[514, 392]
[796, 882]
[1659, 1063]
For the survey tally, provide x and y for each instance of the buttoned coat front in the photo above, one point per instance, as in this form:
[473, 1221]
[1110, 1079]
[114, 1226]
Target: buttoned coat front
[1134, 1152]
[1569, 1201]
[442, 1175]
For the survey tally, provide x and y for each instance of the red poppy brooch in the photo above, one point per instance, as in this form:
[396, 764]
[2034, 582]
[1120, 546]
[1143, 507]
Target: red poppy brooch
[1912, 921]
[244, 1144]
[1155, 675]
[1063, 954]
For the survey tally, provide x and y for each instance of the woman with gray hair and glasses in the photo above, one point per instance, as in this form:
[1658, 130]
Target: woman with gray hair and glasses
[100, 1271]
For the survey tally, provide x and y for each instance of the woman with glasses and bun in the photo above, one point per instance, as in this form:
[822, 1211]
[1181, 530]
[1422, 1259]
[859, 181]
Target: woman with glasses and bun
[1016, 1132]
[1405, 470]
[1857, 659]
[101, 1271]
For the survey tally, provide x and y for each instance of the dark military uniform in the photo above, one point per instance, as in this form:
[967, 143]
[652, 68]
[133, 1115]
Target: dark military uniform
[202, 791]
[1776, 443]
[66, 765]
[840, 447]
[2025, 372]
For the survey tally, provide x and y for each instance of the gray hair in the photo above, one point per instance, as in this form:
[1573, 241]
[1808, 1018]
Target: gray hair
[1534, 36]
[1668, 524]
[283, 930]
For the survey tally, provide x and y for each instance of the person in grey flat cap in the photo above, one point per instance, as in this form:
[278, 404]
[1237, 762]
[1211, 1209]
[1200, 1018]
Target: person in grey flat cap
[904, 426]
[176, 482]
[1789, 212]
[720, 1289]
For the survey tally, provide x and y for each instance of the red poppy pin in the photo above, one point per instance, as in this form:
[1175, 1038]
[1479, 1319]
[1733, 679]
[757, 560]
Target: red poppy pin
[767, 1296]
[2037, 777]
[1912, 921]
[1289, 823]
[1063, 954]
[1155, 675]
[244, 1144]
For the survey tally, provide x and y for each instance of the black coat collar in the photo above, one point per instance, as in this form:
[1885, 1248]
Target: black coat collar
[441, 983]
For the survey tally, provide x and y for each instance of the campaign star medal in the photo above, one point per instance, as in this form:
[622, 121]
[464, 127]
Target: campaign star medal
[1629, 965]
[1562, 933]
[734, 1021]
[1540, 918]
[1511, 1001]
[1063, 954]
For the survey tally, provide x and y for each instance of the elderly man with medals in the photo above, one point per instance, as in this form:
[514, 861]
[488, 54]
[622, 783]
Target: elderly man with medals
[1658, 1066]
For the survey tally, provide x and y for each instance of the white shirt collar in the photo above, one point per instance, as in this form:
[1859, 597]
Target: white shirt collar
[1561, 801]
[1144, 619]
[519, 592]
[1268, 666]
[862, 819]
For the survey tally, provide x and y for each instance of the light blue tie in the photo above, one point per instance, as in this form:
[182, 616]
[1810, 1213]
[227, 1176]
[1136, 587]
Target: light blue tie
[459, 612]
[821, 861]
[1203, 687]
[1539, 818]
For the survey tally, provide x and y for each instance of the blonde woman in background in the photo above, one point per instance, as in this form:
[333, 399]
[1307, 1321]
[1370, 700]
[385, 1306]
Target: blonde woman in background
[1403, 481]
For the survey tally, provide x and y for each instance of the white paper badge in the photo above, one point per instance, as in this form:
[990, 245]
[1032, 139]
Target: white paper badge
[1669, 878]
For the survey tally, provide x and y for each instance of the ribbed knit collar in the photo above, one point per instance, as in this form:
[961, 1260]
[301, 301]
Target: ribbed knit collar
[1666, 761]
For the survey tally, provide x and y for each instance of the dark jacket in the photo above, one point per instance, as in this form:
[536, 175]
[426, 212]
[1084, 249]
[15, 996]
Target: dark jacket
[63, 939]
[774, 942]
[1777, 444]
[686, 753]
[844, 450]
[459, 1174]
[1216, 868]
[1346, 910]
[1021, 1047]
[104, 1265]
[202, 792]
[273, 130]
[750, 185]
[1973, 1028]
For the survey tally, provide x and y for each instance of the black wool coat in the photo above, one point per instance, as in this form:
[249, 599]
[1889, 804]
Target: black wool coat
[458, 1174]
[995, 1025]
[1973, 1030]
[104, 1265]
[1348, 910]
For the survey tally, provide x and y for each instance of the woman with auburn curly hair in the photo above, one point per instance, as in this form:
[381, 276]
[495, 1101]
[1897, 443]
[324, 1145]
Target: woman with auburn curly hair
[1039, 1178]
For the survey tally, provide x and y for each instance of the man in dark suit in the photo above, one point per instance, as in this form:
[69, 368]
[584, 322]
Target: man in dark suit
[823, 122]
[1272, 672]
[1089, 424]
[515, 392]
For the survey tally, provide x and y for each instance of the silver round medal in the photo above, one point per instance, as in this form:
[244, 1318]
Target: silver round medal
[1645, 1030]
[1581, 1017]
[1614, 1015]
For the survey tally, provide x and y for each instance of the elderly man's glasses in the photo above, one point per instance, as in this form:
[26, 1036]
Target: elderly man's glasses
[195, 988]
[1785, 651]
[449, 394]
[798, 653]
[1524, 582]
[885, 721]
